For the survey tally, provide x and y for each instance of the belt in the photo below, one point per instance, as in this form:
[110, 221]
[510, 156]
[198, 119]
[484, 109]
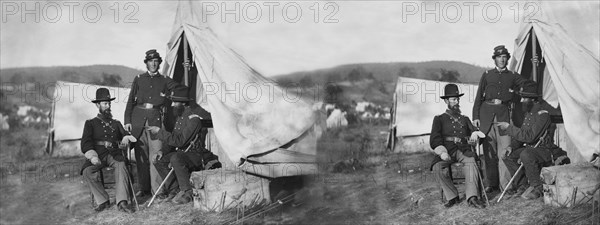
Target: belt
[106, 144]
[496, 102]
[454, 139]
[148, 106]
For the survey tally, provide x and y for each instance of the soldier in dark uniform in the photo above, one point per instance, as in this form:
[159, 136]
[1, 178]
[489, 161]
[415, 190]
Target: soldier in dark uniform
[184, 149]
[532, 144]
[145, 108]
[491, 105]
[100, 142]
[451, 136]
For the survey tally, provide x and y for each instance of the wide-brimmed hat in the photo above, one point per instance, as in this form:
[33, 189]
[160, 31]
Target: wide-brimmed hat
[102, 94]
[180, 95]
[152, 54]
[529, 90]
[451, 90]
[500, 50]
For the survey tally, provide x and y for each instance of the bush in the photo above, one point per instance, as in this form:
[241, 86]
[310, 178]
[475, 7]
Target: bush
[23, 145]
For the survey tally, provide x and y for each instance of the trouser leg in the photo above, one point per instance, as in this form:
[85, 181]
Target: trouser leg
[183, 164]
[142, 161]
[441, 171]
[163, 169]
[503, 142]
[121, 179]
[512, 165]
[471, 174]
[533, 160]
[90, 175]
[153, 148]
[490, 159]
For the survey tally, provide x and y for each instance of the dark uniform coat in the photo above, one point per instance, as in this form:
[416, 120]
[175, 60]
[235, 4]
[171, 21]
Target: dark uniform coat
[147, 89]
[186, 128]
[495, 85]
[100, 128]
[535, 129]
[447, 125]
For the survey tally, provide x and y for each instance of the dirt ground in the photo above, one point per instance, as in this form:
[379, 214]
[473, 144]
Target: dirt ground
[360, 183]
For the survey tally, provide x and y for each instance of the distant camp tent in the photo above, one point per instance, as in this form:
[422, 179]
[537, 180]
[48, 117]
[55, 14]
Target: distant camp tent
[415, 103]
[254, 123]
[71, 107]
[565, 35]
[337, 118]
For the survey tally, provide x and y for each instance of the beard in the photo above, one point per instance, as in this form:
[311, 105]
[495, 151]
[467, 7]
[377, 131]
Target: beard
[106, 113]
[455, 109]
[527, 106]
[178, 111]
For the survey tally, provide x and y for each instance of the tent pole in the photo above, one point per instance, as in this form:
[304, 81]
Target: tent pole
[185, 61]
[534, 55]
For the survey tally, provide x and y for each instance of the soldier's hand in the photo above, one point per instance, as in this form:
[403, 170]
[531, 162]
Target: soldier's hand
[445, 156]
[153, 129]
[503, 125]
[95, 161]
[534, 59]
[128, 127]
[507, 153]
[476, 123]
[158, 156]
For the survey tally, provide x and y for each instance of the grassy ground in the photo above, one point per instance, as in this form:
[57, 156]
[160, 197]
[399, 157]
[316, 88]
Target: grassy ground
[360, 182]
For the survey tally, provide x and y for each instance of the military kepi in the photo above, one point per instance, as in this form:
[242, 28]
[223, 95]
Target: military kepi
[451, 90]
[102, 94]
[529, 91]
[152, 54]
[179, 95]
[500, 50]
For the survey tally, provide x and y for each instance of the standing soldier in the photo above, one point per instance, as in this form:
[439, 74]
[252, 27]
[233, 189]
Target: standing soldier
[145, 108]
[100, 144]
[451, 136]
[492, 104]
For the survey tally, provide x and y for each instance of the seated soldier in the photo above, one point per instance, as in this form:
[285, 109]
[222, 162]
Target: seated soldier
[532, 145]
[451, 135]
[100, 142]
[187, 139]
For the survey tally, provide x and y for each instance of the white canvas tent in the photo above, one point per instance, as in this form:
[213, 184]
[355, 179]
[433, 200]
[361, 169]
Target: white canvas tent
[254, 120]
[72, 106]
[567, 36]
[415, 103]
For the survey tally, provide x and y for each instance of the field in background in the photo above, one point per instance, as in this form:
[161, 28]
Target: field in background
[360, 182]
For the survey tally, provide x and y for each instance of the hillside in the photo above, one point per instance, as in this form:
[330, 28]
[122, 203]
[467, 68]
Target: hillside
[82, 74]
[375, 82]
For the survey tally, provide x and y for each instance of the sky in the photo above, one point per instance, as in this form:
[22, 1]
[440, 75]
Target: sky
[277, 41]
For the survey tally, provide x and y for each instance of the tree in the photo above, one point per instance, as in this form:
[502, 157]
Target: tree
[306, 81]
[407, 72]
[354, 75]
[111, 79]
[333, 93]
[333, 77]
[449, 75]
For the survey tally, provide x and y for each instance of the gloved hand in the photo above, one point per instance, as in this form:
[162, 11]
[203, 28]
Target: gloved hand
[95, 161]
[445, 156]
[128, 139]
